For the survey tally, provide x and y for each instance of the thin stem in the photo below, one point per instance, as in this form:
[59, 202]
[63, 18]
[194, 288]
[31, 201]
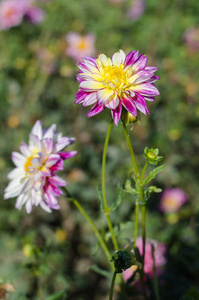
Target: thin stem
[136, 223]
[155, 280]
[143, 171]
[112, 286]
[137, 173]
[143, 232]
[106, 208]
[140, 177]
[97, 233]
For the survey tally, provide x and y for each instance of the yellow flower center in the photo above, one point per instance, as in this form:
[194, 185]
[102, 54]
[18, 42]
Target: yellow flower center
[170, 203]
[115, 77]
[82, 44]
[28, 163]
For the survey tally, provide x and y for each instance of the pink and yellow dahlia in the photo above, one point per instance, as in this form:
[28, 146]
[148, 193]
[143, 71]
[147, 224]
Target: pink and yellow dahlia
[124, 80]
[34, 181]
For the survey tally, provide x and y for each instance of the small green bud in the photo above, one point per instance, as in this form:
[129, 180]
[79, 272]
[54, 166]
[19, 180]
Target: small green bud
[152, 156]
[123, 260]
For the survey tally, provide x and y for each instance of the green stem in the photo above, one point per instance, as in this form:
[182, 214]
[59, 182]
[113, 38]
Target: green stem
[143, 231]
[112, 286]
[137, 173]
[136, 222]
[143, 171]
[155, 281]
[106, 208]
[140, 179]
[97, 233]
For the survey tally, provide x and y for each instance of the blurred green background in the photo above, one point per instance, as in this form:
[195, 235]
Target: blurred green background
[43, 87]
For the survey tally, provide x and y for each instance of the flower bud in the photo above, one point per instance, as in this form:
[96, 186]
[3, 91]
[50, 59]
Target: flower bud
[123, 259]
[152, 156]
[128, 118]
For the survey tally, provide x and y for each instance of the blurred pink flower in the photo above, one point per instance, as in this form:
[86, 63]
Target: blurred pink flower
[136, 10]
[159, 253]
[172, 200]
[11, 14]
[191, 38]
[34, 14]
[80, 46]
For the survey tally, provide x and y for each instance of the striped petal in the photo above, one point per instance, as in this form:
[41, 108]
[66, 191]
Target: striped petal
[91, 85]
[130, 106]
[116, 113]
[103, 95]
[96, 109]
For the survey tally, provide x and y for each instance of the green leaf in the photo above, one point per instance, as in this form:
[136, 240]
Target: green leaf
[129, 189]
[98, 270]
[57, 296]
[154, 189]
[153, 173]
[118, 200]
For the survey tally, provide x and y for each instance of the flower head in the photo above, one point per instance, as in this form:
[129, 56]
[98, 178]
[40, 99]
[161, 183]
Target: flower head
[159, 255]
[80, 46]
[11, 14]
[172, 200]
[124, 80]
[34, 181]
[191, 38]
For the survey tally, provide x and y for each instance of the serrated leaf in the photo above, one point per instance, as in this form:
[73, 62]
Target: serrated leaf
[57, 296]
[98, 270]
[154, 189]
[118, 200]
[129, 189]
[153, 173]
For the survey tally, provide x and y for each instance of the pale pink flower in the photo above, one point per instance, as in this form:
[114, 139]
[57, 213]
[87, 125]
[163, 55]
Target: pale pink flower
[34, 181]
[136, 10]
[191, 38]
[34, 14]
[11, 13]
[159, 254]
[80, 46]
[123, 81]
[172, 200]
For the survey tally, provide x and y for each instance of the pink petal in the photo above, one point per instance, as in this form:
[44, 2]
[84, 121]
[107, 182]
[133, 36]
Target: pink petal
[58, 166]
[80, 96]
[130, 106]
[56, 180]
[90, 99]
[67, 155]
[96, 109]
[130, 58]
[116, 113]
[140, 63]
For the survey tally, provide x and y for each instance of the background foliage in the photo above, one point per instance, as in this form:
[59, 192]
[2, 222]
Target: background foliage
[56, 251]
